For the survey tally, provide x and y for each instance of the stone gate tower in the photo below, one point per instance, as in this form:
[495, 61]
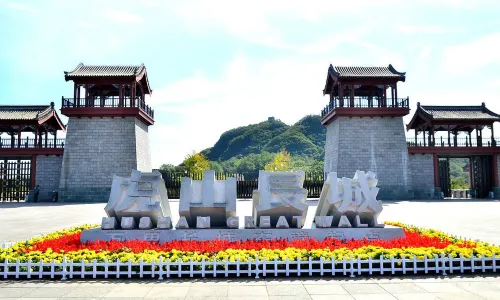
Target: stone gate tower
[107, 131]
[365, 129]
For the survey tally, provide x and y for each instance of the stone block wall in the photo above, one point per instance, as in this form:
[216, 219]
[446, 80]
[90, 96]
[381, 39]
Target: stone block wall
[95, 150]
[48, 171]
[371, 144]
[142, 147]
[422, 175]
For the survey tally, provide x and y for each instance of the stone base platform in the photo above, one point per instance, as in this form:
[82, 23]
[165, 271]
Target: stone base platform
[162, 235]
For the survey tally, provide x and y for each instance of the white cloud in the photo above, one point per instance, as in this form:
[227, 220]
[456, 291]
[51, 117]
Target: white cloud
[249, 91]
[425, 52]
[258, 21]
[471, 57]
[254, 21]
[494, 83]
[86, 24]
[122, 17]
[423, 29]
[21, 7]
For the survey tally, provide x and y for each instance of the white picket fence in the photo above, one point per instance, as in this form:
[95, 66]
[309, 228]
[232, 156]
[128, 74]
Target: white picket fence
[161, 269]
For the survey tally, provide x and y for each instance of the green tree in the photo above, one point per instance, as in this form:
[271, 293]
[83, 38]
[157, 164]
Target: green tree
[459, 178]
[167, 168]
[282, 161]
[196, 162]
[216, 166]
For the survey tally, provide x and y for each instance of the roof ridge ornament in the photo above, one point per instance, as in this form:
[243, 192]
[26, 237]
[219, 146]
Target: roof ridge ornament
[391, 68]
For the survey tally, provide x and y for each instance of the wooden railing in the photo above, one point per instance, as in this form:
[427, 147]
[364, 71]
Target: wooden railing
[365, 102]
[458, 142]
[107, 102]
[30, 143]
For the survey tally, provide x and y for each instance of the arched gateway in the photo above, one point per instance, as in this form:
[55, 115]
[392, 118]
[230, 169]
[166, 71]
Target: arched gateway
[365, 131]
[460, 132]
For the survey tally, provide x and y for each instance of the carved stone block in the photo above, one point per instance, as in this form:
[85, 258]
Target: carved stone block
[357, 223]
[182, 223]
[164, 223]
[344, 222]
[265, 222]
[202, 222]
[323, 221]
[249, 223]
[145, 223]
[233, 222]
[282, 223]
[128, 223]
[208, 197]
[353, 198]
[109, 223]
[142, 195]
[279, 194]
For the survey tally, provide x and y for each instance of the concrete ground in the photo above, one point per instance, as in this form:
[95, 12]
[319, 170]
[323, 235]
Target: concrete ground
[377, 288]
[472, 219]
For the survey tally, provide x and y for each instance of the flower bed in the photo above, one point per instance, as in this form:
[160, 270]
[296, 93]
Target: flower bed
[418, 243]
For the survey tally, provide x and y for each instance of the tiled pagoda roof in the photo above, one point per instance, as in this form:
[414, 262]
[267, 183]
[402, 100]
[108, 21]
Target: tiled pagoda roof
[107, 71]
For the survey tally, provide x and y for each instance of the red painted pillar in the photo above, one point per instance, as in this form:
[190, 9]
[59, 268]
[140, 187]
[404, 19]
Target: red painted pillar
[352, 96]
[120, 96]
[493, 142]
[396, 94]
[384, 99]
[132, 95]
[341, 95]
[436, 167]
[36, 135]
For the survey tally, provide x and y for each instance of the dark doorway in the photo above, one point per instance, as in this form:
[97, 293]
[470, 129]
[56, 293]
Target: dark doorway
[481, 175]
[15, 179]
[444, 176]
[466, 176]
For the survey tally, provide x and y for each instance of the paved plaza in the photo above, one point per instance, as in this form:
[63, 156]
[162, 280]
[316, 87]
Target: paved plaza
[409, 288]
[472, 219]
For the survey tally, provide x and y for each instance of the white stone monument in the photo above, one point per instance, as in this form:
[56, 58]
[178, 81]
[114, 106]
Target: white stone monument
[138, 210]
[280, 194]
[208, 198]
[142, 195]
[351, 202]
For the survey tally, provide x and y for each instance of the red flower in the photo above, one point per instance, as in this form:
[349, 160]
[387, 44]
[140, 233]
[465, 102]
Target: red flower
[72, 242]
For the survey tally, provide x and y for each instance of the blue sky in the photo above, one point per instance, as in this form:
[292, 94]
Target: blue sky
[215, 65]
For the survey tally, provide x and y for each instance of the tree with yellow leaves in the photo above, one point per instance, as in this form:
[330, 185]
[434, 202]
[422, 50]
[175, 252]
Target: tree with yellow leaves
[196, 163]
[282, 161]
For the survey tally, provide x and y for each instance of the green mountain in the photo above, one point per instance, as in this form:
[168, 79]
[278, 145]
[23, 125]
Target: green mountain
[306, 139]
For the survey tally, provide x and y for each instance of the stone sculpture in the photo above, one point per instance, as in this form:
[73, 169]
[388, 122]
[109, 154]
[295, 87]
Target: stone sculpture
[138, 209]
[349, 202]
[280, 194]
[142, 195]
[208, 198]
